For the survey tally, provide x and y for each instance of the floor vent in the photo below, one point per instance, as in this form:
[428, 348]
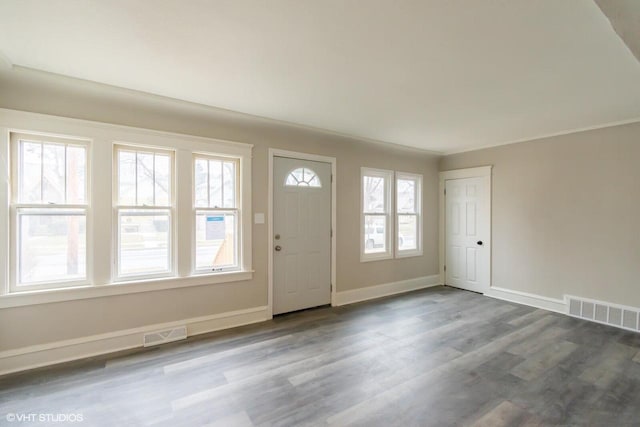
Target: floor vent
[161, 337]
[603, 312]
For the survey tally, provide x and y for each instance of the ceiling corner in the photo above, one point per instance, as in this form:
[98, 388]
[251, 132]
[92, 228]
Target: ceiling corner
[624, 16]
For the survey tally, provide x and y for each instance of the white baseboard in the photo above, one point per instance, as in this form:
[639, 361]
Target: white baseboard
[373, 292]
[79, 348]
[526, 298]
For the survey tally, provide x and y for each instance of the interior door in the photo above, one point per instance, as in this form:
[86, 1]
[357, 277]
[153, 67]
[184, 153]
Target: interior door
[302, 234]
[467, 234]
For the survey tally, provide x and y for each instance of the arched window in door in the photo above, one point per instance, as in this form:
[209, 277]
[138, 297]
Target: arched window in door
[302, 177]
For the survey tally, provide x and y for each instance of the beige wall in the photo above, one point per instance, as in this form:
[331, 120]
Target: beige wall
[566, 213]
[55, 95]
[564, 220]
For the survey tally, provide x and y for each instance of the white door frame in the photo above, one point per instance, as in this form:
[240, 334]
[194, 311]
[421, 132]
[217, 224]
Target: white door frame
[273, 152]
[478, 172]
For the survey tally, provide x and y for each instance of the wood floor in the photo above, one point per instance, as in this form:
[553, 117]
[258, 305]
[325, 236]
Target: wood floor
[436, 357]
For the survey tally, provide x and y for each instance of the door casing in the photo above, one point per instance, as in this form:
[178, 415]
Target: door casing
[477, 172]
[301, 156]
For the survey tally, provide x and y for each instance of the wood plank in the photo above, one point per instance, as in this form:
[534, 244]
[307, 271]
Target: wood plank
[437, 356]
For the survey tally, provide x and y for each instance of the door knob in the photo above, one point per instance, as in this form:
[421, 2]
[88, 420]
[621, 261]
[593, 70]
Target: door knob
[278, 248]
[479, 242]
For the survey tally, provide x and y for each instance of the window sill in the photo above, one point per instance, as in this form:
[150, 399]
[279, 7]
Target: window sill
[24, 298]
[383, 257]
[376, 257]
[408, 254]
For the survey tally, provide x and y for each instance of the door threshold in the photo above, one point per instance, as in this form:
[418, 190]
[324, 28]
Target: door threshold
[463, 289]
[302, 310]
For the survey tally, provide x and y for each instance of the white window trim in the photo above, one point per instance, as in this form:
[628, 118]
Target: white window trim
[389, 214]
[13, 138]
[392, 231]
[418, 200]
[45, 296]
[115, 275]
[99, 251]
[238, 210]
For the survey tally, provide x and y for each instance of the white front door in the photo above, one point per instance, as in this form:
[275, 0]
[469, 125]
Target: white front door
[301, 234]
[467, 233]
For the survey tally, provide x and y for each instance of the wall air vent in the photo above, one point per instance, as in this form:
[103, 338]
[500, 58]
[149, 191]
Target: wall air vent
[607, 313]
[168, 335]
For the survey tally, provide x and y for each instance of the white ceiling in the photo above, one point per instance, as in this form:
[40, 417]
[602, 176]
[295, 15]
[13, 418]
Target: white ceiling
[443, 75]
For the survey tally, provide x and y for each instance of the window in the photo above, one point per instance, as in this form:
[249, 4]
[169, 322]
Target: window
[376, 214]
[49, 211]
[408, 214]
[84, 210]
[143, 212]
[378, 226]
[216, 202]
[302, 177]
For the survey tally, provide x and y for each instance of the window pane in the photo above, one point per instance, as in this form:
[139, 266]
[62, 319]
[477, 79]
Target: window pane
[297, 175]
[144, 239]
[216, 240]
[406, 195]
[144, 173]
[126, 178]
[30, 172]
[229, 184]
[215, 184]
[374, 194]
[163, 180]
[407, 232]
[51, 247]
[76, 174]
[314, 181]
[201, 180]
[303, 177]
[375, 234]
[53, 171]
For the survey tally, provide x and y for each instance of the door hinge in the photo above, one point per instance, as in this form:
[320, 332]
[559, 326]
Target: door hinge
[331, 233]
[445, 191]
[331, 177]
[445, 268]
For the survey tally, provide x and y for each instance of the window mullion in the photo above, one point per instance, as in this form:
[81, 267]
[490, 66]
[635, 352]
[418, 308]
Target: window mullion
[222, 184]
[208, 183]
[66, 196]
[136, 172]
[45, 210]
[51, 206]
[153, 175]
[222, 210]
[41, 172]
